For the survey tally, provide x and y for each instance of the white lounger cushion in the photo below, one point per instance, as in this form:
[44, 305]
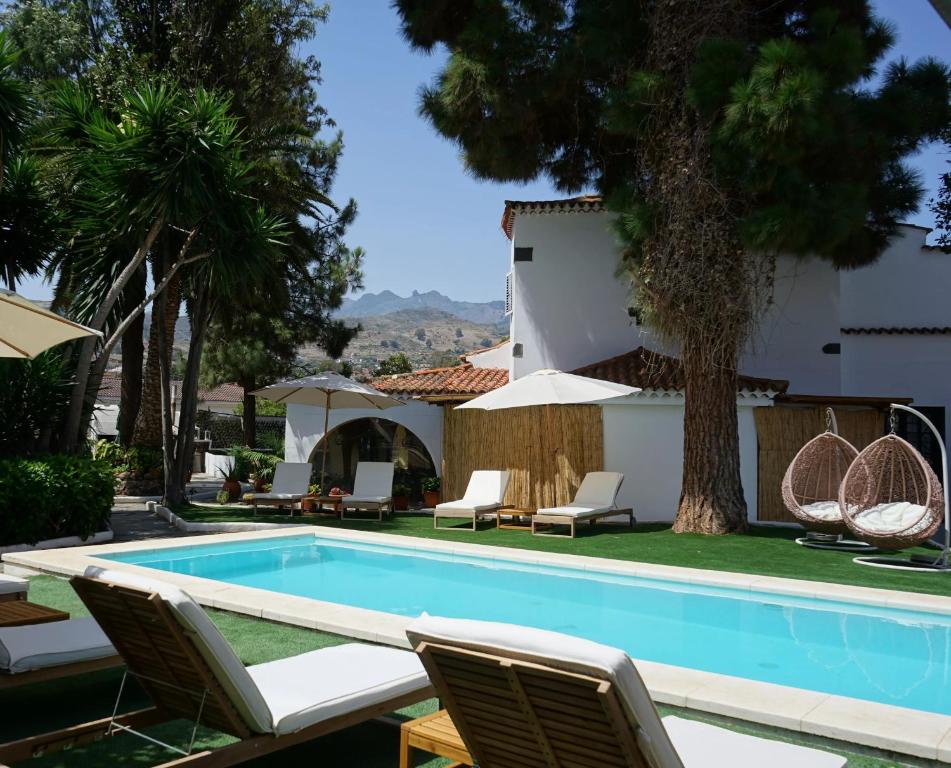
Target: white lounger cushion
[214, 649]
[373, 483]
[38, 646]
[484, 493]
[823, 510]
[696, 747]
[276, 496]
[292, 478]
[13, 585]
[316, 686]
[595, 496]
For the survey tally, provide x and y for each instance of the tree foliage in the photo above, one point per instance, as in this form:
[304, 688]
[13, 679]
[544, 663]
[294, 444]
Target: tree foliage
[398, 363]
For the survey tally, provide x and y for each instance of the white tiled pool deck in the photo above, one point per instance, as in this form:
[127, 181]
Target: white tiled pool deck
[912, 732]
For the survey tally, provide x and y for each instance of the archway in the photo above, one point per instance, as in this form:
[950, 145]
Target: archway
[373, 439]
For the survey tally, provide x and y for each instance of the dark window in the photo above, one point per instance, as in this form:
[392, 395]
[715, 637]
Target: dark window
[916, 432]
[517, 350]
[523, 254]
[832, 349]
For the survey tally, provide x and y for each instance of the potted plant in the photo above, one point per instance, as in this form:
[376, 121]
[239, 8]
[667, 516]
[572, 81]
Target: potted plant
[309, 502]
[431, 486]
[400, 497]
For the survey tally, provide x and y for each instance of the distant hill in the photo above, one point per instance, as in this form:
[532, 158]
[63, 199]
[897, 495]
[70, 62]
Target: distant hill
[387, 302]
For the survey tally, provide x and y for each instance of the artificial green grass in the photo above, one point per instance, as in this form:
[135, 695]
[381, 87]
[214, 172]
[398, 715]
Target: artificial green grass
[766, 550]
[48, 706]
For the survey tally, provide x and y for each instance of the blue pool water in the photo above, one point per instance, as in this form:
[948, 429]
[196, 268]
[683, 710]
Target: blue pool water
[889, 656]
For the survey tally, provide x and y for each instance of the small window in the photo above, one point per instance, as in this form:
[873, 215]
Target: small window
[517, 349]
[523, 254]
[833, 348]
[508, 294]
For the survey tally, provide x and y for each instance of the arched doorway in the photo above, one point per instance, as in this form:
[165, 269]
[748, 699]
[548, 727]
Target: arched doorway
[373, 439]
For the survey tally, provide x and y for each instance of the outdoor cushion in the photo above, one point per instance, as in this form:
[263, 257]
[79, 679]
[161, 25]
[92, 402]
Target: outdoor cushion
[599, 489]
[702, 745]
[574, 510]
[12, 585]
[462, 506]
[823, 510]
[276, 496]
[893, 516]
[364, 499]
[374, 482]
[316, 686]
[292, 478]
[214, 649]
[486, 486]
[38, 646]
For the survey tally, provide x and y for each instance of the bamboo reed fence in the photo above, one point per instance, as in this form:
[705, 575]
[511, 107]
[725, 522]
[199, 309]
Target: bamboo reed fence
[783, 430]
[547, 449]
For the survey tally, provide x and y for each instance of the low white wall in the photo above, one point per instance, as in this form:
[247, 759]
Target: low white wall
[217, 465]
[645, 442]
[305, 426]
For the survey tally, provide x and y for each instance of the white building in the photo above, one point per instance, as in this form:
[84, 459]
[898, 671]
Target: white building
[883, 331]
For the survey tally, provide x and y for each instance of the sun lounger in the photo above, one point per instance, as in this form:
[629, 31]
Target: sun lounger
[522, 696]
[38, 652]
[372, 490]
[13, 588]
[291, 484]
[595, 499]
[483, 496]
[189, 671]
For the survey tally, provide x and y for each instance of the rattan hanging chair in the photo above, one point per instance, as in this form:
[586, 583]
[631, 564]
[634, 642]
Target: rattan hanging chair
[891, 497]
[812, 480]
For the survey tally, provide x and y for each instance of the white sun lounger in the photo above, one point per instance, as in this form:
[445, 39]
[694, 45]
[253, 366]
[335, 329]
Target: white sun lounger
[182, 662]
[13, 587]
[291, 484]
[582, 703]
[483, 496]
[596, 498]
[372, 490]
[38, 652]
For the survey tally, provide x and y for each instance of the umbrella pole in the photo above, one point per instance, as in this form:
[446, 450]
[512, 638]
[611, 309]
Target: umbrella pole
[323, 463]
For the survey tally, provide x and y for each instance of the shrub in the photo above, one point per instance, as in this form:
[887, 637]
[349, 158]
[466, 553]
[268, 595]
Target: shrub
[51, 496]
[431, 483]
[222, 497]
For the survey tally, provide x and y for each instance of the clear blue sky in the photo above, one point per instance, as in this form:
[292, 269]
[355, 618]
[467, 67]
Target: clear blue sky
[424, 222]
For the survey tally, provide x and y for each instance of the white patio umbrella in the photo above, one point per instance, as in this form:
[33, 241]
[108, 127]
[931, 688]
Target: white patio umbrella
[26, 329]
[327, 390]
[548, 387]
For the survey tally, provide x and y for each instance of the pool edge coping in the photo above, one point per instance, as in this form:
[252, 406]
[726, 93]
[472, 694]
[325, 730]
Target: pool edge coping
[881, 726]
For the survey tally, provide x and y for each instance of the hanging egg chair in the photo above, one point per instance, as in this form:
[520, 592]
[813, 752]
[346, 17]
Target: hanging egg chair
[891, 497]
[811, 489]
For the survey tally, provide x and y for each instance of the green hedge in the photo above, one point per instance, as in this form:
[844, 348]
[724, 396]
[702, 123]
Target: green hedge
[51, 496]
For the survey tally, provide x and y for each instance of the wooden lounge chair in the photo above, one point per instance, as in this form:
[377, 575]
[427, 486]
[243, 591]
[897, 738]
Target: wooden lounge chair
[181, 661]
[36, 653]
[596, 498]
[527, 698]
[13, 588]
[483, 496]
[291, 484]
[372, 490]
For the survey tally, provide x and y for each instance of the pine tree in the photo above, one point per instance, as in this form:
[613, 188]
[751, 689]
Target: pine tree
[720, 132]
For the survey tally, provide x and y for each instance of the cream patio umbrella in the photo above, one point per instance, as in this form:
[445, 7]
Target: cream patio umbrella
[548, 387]
[329, 391]
[26, 329]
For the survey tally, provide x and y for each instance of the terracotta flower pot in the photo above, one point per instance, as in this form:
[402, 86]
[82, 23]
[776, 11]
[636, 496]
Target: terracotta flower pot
[430, 498]
[259, 484]
[233, 487]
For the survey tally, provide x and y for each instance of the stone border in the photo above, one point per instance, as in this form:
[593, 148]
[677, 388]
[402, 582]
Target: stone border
[225, 527]
[880, 726]
[66, 541]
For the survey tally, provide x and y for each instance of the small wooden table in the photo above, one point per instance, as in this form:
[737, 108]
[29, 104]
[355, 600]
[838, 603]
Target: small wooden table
[17, 613]
[514, 512]
[435, 734]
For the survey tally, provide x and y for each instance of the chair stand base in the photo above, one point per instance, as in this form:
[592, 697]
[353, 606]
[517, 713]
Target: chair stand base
[915, 563]
[834, 542]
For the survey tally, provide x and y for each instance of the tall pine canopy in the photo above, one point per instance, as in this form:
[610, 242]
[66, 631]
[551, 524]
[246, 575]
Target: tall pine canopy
[721, 133]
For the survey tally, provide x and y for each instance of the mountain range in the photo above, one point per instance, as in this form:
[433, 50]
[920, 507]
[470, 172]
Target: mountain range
[387, 302]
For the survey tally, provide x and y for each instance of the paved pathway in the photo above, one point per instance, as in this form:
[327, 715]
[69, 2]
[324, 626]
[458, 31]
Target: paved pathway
[133, 522]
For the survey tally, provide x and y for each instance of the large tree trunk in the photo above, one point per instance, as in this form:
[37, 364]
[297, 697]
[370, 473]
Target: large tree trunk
[176, 480]
[711, 497]
[148, 424]
[133, 352]
[249, 420]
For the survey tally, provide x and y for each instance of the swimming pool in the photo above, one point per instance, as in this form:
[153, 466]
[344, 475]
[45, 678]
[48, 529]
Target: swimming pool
[877, 654]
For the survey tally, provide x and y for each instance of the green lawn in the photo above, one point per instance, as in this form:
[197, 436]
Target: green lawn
[767, 550]
[47, 706]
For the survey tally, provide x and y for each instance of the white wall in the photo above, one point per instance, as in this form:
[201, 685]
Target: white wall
[498, 357]
[305, 426]
[645, 442]
[568, 307]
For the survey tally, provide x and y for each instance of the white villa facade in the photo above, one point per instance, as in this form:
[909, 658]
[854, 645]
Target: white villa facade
[882, 331]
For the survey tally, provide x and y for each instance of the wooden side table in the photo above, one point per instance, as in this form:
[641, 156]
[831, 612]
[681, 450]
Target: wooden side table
[17, 613]
[435, 734]
[514, 513]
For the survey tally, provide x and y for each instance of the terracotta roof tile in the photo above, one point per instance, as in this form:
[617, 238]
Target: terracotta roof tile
[647, 369]
[462, 380]
[580, 204]
[223, 393]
